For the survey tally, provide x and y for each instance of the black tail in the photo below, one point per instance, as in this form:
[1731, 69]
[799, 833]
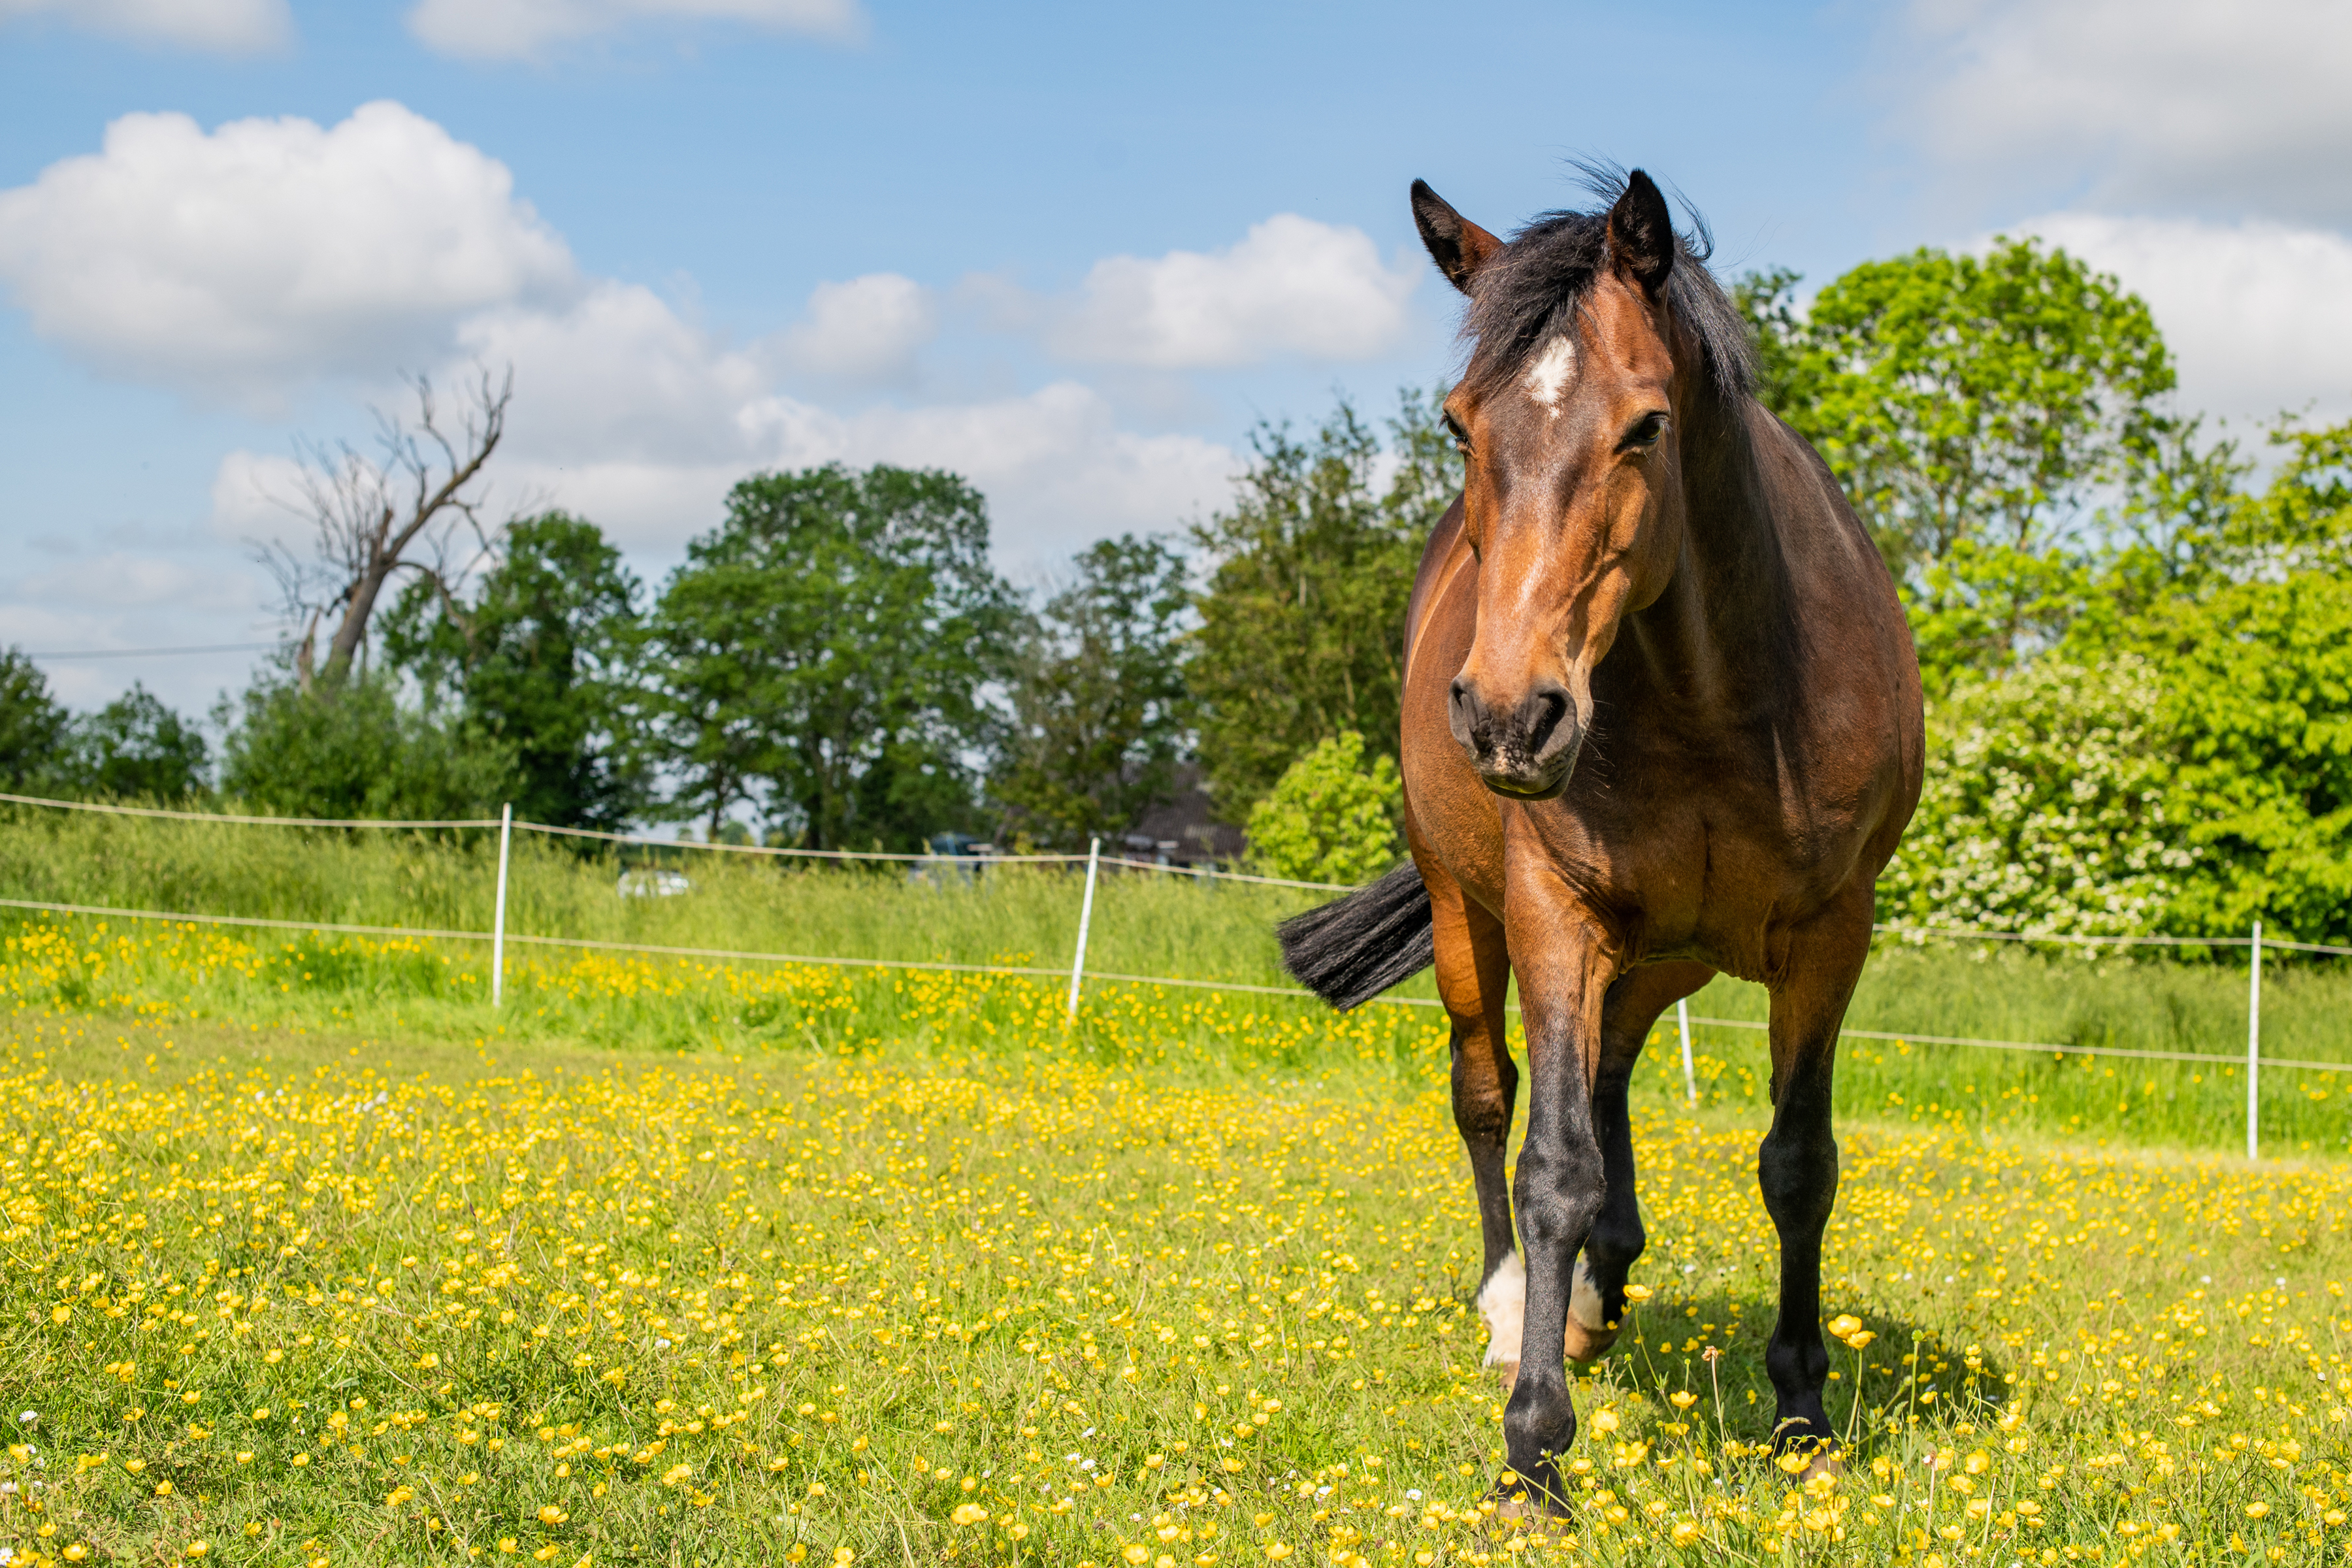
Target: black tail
[1352, 949]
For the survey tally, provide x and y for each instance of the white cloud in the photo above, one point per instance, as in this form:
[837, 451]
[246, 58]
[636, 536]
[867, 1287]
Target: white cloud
[271, 250]
[526, 29]
[1292, 288]
[866, 332]
[2165, 105]
[632, 416]
[2255, 312]
[248, 495]
[220, 26]
[122, 580]
[247, 261]
[617, 375]
[1056, 468]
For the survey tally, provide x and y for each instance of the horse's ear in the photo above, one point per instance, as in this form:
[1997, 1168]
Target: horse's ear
[1458, 245]
[1642, 233]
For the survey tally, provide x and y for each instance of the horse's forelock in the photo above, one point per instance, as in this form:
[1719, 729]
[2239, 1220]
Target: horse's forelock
[1530, 291]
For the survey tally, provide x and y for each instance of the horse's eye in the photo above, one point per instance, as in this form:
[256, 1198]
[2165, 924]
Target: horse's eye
[1461, 436]
[1645, 432]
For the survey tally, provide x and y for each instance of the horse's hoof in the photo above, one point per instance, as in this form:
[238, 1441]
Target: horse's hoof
[1521, 1510]
[1826, 1461]
[1509, 1373]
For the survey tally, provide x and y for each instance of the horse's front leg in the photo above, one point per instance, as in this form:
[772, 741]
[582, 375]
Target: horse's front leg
[1563, 977]
[1797, 1166]
[1596, 1305]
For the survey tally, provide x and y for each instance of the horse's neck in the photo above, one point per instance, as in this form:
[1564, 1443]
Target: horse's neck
[1724, 623]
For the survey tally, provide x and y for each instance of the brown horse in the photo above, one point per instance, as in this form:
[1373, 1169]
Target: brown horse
[1662, 719]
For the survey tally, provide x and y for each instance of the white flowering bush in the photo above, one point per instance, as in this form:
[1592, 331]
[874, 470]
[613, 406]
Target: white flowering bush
[2049, 806]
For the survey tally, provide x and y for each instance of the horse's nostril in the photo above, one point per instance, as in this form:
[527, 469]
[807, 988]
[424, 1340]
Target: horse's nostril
[1462, 713]
[1545, 711]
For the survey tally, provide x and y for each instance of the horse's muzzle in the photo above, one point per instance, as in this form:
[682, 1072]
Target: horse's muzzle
[1524, 751]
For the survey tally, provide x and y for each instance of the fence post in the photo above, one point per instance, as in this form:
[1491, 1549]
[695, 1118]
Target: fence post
[498, 915]
[1085, 918]
[2255, 1047]
[1690, 1079]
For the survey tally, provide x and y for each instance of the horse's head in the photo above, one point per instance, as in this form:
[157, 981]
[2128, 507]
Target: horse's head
[1568, 419]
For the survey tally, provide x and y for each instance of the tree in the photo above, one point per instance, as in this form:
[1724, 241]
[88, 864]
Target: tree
[135, 748]
[1098, 696]
[1333, 816]
[375, 518]
[1966, 398]
[2252, 644]
[363, 755]
[538, 653]
[33, 726]
[1768, 299]
[1302, 622]
[2183, 761]
[1974, 408]
[823, 655]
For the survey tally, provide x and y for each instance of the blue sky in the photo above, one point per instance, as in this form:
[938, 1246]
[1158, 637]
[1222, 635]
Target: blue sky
[1072, 251]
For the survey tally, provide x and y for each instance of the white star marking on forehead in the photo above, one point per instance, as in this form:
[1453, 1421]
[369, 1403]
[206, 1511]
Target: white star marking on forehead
[1548, 376]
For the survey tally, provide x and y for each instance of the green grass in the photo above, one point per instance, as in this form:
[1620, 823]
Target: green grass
[1144, 924]
[324, 1297]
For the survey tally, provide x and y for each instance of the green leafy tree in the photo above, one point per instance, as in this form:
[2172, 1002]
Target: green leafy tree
[1098, 696]
[1977, 397]
[1333, 816]
[33, 726]
[1975, 409]
[824, 652]
[365, 755]
[1302, 620]
[540, 655]
[2258, 698]
[136, 748]
[2182, 761]
[1768, 298]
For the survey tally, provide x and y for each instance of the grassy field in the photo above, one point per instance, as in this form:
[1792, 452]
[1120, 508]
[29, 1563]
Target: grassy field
[314, 1258]
[984, 1292]
[1144, 924]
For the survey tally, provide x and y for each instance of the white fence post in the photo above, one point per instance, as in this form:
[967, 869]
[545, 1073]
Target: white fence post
[2255, 1047]
[1085, 918]
[1690, 1079]
[499, 916]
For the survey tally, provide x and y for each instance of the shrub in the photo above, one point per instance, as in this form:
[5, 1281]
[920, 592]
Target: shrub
[360, 753]
[1332, 817]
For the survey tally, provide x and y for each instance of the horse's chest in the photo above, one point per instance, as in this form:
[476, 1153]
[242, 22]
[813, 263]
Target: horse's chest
[1680, 844]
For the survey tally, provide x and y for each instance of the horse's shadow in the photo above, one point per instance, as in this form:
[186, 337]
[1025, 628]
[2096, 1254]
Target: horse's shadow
[1906, 1373]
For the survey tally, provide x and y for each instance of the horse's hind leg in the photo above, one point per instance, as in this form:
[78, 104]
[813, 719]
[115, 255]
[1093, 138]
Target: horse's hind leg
[1797, 1165]
[1473, 973]
[1596, 1304]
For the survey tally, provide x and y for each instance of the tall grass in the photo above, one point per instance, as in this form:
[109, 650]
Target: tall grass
[1144, 922]
[1146, 925]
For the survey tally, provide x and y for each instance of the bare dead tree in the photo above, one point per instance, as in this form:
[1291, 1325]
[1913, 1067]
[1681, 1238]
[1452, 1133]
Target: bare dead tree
[417, 507]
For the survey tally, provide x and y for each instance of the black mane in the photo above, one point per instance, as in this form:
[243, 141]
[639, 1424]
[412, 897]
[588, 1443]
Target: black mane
[1531, 289]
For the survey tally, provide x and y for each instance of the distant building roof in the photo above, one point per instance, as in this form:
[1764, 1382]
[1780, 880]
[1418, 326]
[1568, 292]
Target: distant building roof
[1186, 830]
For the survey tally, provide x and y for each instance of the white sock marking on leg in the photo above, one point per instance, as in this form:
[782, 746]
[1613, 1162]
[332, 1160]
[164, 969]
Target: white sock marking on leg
[1503, 1302]
[1584, 1298]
